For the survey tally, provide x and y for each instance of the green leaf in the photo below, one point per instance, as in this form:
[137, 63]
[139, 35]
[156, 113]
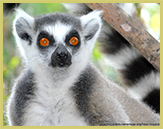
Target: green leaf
[15, 61]
[96, 55]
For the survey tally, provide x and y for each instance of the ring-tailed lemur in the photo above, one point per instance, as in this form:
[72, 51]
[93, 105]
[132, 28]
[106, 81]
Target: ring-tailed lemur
[142, 79]
[60, 86]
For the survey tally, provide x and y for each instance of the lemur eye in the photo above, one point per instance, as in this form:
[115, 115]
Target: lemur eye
[44, 42]
[74, 41]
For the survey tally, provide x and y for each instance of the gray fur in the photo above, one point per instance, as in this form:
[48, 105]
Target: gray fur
[51, 19]
[82, 92]
[23, 92]
[104, 103]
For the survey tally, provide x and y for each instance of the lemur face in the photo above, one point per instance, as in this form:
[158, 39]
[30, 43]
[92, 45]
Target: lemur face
[57, 40]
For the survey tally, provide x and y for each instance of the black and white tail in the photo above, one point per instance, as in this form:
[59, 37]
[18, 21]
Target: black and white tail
[141, 78]
[9, 7]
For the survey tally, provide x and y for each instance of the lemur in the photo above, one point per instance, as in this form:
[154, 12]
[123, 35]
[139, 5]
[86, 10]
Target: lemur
[60, 86]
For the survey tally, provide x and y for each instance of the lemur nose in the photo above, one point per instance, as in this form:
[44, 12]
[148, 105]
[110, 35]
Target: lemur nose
[61, 55]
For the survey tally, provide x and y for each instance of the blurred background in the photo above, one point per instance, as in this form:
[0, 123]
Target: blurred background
[149, 13]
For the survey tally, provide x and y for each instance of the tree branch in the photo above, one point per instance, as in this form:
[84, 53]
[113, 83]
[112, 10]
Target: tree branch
[131, 30]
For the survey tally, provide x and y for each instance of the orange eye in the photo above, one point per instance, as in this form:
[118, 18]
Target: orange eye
[74, 41]
[44, 42]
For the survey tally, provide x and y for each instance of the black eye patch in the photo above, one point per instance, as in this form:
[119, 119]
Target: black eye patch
[72, 33]
[44, 34]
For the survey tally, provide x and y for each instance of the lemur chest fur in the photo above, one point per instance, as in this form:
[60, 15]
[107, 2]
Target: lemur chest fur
[53, 104]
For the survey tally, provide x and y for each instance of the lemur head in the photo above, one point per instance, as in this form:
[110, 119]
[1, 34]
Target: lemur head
[56, 40]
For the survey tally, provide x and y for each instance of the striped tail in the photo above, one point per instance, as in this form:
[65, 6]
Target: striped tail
[9, 7]
[141, 78]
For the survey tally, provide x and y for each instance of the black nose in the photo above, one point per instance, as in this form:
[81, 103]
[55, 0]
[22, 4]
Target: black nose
[61, 57]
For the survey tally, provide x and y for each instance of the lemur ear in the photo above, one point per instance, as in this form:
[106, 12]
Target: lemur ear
[23, 25]
[91, 24]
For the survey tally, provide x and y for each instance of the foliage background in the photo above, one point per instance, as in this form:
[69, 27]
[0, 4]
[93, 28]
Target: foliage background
[12, 64]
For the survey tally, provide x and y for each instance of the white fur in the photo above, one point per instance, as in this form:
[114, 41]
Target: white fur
[145, 85]
[59, 31]
[75, 7]
[58, 105]
[124, 56]
[94, 19]
[21, 13]
[22, 43]
[128, 8]
[94, 15]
